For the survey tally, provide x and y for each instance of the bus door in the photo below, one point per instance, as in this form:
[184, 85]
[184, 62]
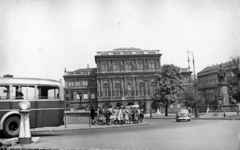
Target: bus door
[49, 105]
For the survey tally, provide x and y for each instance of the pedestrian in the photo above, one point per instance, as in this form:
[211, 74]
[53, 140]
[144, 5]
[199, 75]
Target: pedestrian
[133, 115]
[141, 115]
[113, 117]
[120, 116]
[108, 113]
[92, 115]
[130, 114]
[100, 113]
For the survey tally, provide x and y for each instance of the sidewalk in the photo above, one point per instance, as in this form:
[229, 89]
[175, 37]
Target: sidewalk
[202, 116]
[75, 127]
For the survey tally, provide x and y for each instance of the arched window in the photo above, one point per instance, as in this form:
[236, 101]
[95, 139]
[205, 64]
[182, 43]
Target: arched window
[128, 66]
[117, 90]
[129, 89]
[116, 66]
[77, 83]
[105, 90]
[140, 65]
[141, 89]
[151, 65]
[104, 67]
[153, 87]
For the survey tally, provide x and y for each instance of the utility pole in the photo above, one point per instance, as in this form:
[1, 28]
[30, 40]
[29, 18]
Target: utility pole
[195, 86]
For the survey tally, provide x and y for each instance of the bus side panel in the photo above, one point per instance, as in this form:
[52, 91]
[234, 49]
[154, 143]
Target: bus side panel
[51, 112]
[33, 114]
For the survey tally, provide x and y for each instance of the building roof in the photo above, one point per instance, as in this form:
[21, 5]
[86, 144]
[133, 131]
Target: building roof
[213, 68]
[86, 70]
[82, 71]
[127, 49]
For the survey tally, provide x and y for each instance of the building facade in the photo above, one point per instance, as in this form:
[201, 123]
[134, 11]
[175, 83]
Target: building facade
[208, 82]
[123, 76]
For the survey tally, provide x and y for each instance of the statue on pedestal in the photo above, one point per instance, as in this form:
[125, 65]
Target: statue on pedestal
[221, 74]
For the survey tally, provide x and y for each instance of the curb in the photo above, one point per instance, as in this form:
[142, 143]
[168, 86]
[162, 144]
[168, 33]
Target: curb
[94, 128]
[202, 118]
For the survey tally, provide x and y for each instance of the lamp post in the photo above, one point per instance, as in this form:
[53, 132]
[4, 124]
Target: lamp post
[195, 85]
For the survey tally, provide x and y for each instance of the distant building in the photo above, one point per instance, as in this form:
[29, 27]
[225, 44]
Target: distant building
[124, 76]
[208, 81]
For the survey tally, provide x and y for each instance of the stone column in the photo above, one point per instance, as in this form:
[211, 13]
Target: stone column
[136, 82]
[145, 64]
[148, 79]
[134, 86]
[110, 87]
[146, 86]
[122, 85]
[156, 64]
[101, 87]
[98, 87]
[125, 80]
[99, 66]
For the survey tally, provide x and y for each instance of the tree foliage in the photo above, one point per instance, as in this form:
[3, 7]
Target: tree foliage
[169, 85]
[234, 78]
[188, 96]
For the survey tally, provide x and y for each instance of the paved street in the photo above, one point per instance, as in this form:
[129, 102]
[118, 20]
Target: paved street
[161, 134]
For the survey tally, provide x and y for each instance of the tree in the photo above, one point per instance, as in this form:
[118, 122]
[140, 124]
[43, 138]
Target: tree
[169, 85]
[233, 78]
[188, 96]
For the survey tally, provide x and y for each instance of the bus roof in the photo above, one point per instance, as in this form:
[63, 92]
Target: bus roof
[26, 81]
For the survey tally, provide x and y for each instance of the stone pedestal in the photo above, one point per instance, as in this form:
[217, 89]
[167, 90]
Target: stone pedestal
[223, 91]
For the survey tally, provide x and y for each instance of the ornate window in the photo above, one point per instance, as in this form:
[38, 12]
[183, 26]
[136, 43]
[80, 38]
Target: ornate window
[104, 67]
[141, 89]
[151, 65]
[71, 83]
[153, 87]
[84, 83]
[116, 66]
[129, 89]
[105, 90]
[140, 65]
[117, 90]
[128, 66]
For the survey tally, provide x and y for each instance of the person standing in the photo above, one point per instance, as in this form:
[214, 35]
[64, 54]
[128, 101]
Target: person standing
[141, 115]
[92, 115]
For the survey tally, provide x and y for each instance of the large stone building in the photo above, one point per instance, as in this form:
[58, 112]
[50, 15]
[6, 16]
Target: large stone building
[124, 76]
[208, 82]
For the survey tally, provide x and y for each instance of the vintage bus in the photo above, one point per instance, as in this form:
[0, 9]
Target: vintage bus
[45, 96]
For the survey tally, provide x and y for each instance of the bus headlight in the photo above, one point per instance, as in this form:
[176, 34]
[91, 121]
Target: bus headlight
[24, 107]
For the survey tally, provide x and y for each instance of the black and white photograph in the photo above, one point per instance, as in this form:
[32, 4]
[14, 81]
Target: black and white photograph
[120, 74]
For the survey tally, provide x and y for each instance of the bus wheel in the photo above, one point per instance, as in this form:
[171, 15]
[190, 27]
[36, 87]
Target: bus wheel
[11, 127]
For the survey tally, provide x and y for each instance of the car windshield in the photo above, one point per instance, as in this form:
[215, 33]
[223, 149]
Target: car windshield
[183, 111]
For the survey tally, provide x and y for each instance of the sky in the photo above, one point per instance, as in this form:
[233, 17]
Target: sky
[40, 38]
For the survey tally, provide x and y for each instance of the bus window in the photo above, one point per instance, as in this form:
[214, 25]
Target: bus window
[48, 92]
[4, 92]
[23, 92]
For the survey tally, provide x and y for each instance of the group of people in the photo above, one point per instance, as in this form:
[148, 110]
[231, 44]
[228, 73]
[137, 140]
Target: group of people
[117, 115]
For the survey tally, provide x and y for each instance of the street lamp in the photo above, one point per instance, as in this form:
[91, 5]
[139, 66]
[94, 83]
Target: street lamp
[195, 85]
